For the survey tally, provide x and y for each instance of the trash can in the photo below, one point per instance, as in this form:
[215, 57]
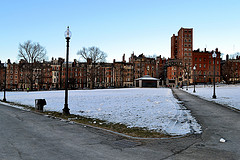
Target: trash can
[39, 104]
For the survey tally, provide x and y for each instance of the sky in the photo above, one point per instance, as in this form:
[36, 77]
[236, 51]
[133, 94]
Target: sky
[117, 26]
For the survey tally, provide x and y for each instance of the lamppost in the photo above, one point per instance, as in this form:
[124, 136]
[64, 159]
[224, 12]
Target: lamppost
[5, 82]
[204, 81]
[214, 55]
[68, 35]
[194, 74]
[187, 81]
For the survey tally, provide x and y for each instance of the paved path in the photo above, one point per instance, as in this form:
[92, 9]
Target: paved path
[217, 122]
[30, 136]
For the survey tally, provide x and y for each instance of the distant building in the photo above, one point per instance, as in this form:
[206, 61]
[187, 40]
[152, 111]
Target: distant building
[204, 63]
[183, 59]
[230, 70]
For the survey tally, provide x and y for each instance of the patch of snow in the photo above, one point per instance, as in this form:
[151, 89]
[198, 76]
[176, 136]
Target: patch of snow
[151, 108]
[226, 94]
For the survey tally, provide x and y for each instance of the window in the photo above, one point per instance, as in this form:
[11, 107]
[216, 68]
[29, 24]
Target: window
[189, 45]
[204, 65]
[195, 59]
[185, 49]
[189, 54]
[189, 40]
[200, 59]
[189, 49]
[200, 65]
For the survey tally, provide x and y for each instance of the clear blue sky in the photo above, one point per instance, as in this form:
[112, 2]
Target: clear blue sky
[117, 26]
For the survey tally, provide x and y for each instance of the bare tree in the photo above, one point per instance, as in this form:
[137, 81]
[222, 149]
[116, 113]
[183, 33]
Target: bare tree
[95, 55]
[32, 54]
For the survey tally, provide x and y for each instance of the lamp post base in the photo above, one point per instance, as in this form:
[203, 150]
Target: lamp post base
[214, 96]
[4, 100]
[194, 91]
[66, 110]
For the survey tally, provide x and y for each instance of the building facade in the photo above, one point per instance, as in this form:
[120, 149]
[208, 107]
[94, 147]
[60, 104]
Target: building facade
[51, 75]
[184, 58]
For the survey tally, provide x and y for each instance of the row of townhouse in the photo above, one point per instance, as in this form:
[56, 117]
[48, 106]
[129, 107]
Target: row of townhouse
[51, 75]
[174, 71]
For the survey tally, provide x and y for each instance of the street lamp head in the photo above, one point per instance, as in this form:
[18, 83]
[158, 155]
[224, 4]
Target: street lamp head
[214, 55]
[68, 33]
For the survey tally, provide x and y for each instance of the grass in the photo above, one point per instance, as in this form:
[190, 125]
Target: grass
[116, 127]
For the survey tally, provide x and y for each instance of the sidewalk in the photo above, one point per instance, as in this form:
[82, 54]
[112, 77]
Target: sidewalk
[217, 122]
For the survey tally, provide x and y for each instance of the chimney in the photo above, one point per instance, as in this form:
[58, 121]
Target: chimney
[216, 50]
[227, 57]
[123, 58]
[9, 61]
[114, 60]
[205, 49]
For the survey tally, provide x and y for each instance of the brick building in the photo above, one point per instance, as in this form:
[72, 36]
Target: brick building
[183, 58]
[51, 75]
[204, 63]
[231, 70]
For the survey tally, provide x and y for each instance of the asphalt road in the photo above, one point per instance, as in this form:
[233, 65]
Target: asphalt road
[30, 136]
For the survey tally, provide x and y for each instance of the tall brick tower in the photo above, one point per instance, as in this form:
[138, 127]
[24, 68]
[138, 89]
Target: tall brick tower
[174, 46]
[181, 60]
[185, 45]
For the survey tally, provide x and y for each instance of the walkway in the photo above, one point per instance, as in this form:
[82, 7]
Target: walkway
[217, 122]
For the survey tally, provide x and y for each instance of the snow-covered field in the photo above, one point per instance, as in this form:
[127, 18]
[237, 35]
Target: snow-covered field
[226, 94]
[153, 108]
